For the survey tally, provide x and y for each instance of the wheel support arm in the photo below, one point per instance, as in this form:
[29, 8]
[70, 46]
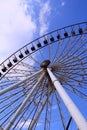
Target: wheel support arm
[24, 103]
[74, 112]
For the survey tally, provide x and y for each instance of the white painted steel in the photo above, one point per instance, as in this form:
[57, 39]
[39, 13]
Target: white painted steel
[17, 84]
[74, 111]
[38, 114]
[24, 103]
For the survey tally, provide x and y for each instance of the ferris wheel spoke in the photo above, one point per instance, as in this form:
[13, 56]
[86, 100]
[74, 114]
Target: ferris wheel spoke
[77, 80]
[72, 112]
[57, 50]
[41, 54]
[6, 119]
[48, 114]
[35, 80]
[7, 83]
[50, 52]
[17, 84]
[21, 72]
[26, 109]
[62, 55]
[38, 114]
[23, 104]
[27, 118]
[5, 107]
[72, 72]
[28, 115]
[7, 115]
[71, 78]
[22, 116]
[77, 51]
[39, 102]
[76, 68]
[20, 77]
[60, 110]
[74, 50]
[49, 109]
[79, 77]
[74, 65]
[76, 57]
[34, 60]
[8, 97]
[60, 43]
[67, 127]
[12, 103]
[28, 66]
[18, 123]
[35, 118]
[75, 90]
[39, 110]
[81, 43]
[69, 61]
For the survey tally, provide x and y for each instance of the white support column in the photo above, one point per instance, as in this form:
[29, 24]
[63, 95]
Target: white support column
[74, 111]
[24, 103]
[38, 114]
[17, 84]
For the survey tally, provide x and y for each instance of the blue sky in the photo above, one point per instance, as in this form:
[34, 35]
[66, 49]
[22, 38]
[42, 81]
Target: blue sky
[21, 21]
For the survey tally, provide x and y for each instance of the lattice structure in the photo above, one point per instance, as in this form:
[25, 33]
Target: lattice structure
[29, 99]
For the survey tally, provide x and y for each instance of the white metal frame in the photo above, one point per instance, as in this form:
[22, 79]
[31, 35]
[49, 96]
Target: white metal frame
[74, 111]
[72, 108]
[38, 114]
[24, 103]
[19, 83]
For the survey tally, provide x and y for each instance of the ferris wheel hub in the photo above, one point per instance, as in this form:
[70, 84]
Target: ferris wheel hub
[45, 64]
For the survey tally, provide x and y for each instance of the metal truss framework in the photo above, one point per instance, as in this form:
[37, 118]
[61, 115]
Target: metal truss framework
[35, 93]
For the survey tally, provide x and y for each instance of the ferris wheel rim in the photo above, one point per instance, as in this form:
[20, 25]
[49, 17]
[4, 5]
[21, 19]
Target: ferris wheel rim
[11, 64]
[69, 65]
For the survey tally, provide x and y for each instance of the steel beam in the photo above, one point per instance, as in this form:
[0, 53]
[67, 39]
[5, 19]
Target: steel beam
[72, 108]
[17, 84]
[24, 103]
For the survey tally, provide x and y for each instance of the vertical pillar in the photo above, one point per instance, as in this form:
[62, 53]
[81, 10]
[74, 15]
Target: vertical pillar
[74, 112]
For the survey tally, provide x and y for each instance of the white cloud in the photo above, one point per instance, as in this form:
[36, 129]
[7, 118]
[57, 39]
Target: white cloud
[18, 23]
[16, 28]
[54, 107]
[45, 11]
[62, 3]
[26, 125]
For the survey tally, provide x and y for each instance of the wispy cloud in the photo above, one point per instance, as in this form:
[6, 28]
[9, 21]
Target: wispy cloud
[15, 26]
[45, 11]
[54, 107]
[27, 124]
[18, 23]
[62, 3]
[21, 19]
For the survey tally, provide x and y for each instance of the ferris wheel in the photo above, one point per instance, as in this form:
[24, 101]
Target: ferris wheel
[43, 85]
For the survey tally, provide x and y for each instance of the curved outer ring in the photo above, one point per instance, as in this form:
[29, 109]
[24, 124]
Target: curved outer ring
[33, 44]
